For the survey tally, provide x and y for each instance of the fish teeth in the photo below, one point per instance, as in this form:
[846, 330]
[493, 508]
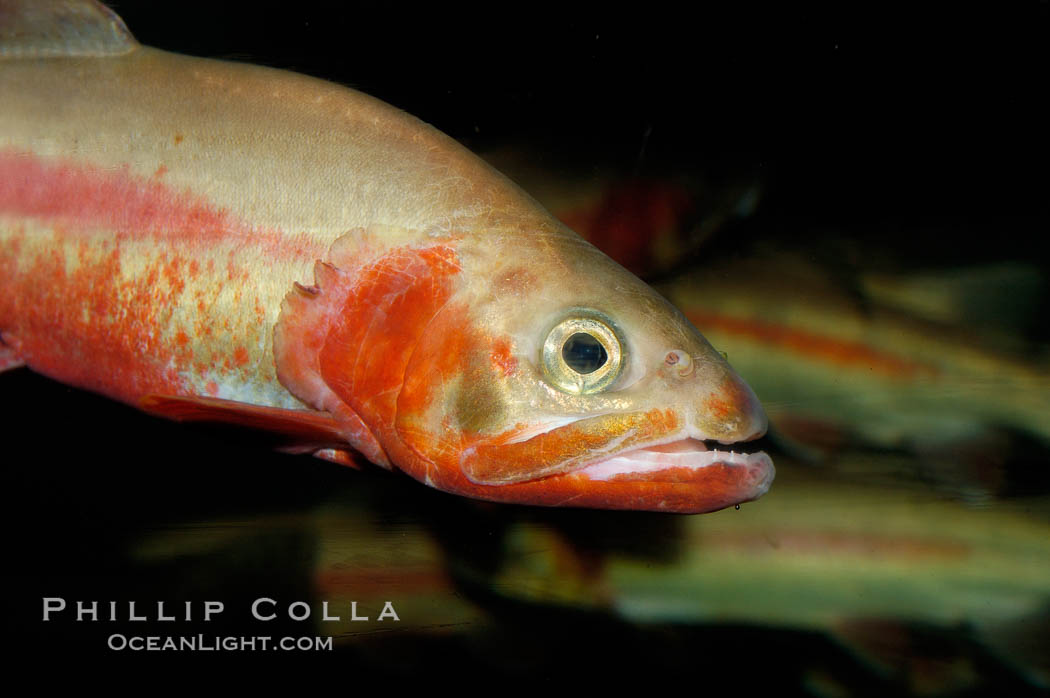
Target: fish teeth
[647, 461]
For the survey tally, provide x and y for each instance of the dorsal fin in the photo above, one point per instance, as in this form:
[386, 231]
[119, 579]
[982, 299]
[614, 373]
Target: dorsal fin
[56, 28]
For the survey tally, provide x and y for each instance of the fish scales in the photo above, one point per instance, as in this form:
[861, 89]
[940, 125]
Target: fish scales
[226, 242]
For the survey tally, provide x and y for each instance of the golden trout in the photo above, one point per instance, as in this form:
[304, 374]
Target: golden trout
[219, 241]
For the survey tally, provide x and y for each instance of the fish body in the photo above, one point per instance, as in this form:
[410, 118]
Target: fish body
[220, 241]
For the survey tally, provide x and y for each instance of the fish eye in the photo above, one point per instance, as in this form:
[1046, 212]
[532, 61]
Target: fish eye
[583, 354]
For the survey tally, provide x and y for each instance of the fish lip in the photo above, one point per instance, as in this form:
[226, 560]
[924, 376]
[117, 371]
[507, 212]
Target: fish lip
[686, 454]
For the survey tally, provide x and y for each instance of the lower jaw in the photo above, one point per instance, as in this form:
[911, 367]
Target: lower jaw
[684, 476]
[680, 490]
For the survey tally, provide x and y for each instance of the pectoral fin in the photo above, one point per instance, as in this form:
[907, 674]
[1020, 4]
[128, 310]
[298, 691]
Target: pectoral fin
[304, 430]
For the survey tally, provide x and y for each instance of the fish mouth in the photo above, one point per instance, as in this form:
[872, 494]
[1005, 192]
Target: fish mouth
[687, 460]
[638, 460]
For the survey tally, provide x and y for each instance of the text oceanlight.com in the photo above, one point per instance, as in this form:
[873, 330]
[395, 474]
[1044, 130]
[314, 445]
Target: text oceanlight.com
[215, 643]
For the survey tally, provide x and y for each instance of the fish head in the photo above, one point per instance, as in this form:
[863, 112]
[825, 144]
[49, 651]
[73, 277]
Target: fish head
[554, 376]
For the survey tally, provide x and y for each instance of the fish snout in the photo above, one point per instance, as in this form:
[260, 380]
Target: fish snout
[730, 412]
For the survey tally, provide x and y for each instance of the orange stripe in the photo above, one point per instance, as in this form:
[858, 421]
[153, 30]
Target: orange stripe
[812, 346]
[104, 198]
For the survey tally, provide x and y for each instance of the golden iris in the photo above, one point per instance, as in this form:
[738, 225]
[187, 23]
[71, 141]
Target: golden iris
[584, 353]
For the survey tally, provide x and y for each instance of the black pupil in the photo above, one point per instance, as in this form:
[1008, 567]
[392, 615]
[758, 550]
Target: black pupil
[583, 353]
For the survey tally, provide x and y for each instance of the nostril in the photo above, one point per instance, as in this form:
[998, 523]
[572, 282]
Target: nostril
[679, 362]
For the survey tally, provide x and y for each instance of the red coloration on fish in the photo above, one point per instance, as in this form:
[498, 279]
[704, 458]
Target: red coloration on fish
[84, 198]
[718, 406]
[454, 337]
[670, 490]
[722, 477]
[94, 198]
[384, 315]
[104, 217]
[502, 358]
[316, 428]
[343, 344]
[59, 336]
